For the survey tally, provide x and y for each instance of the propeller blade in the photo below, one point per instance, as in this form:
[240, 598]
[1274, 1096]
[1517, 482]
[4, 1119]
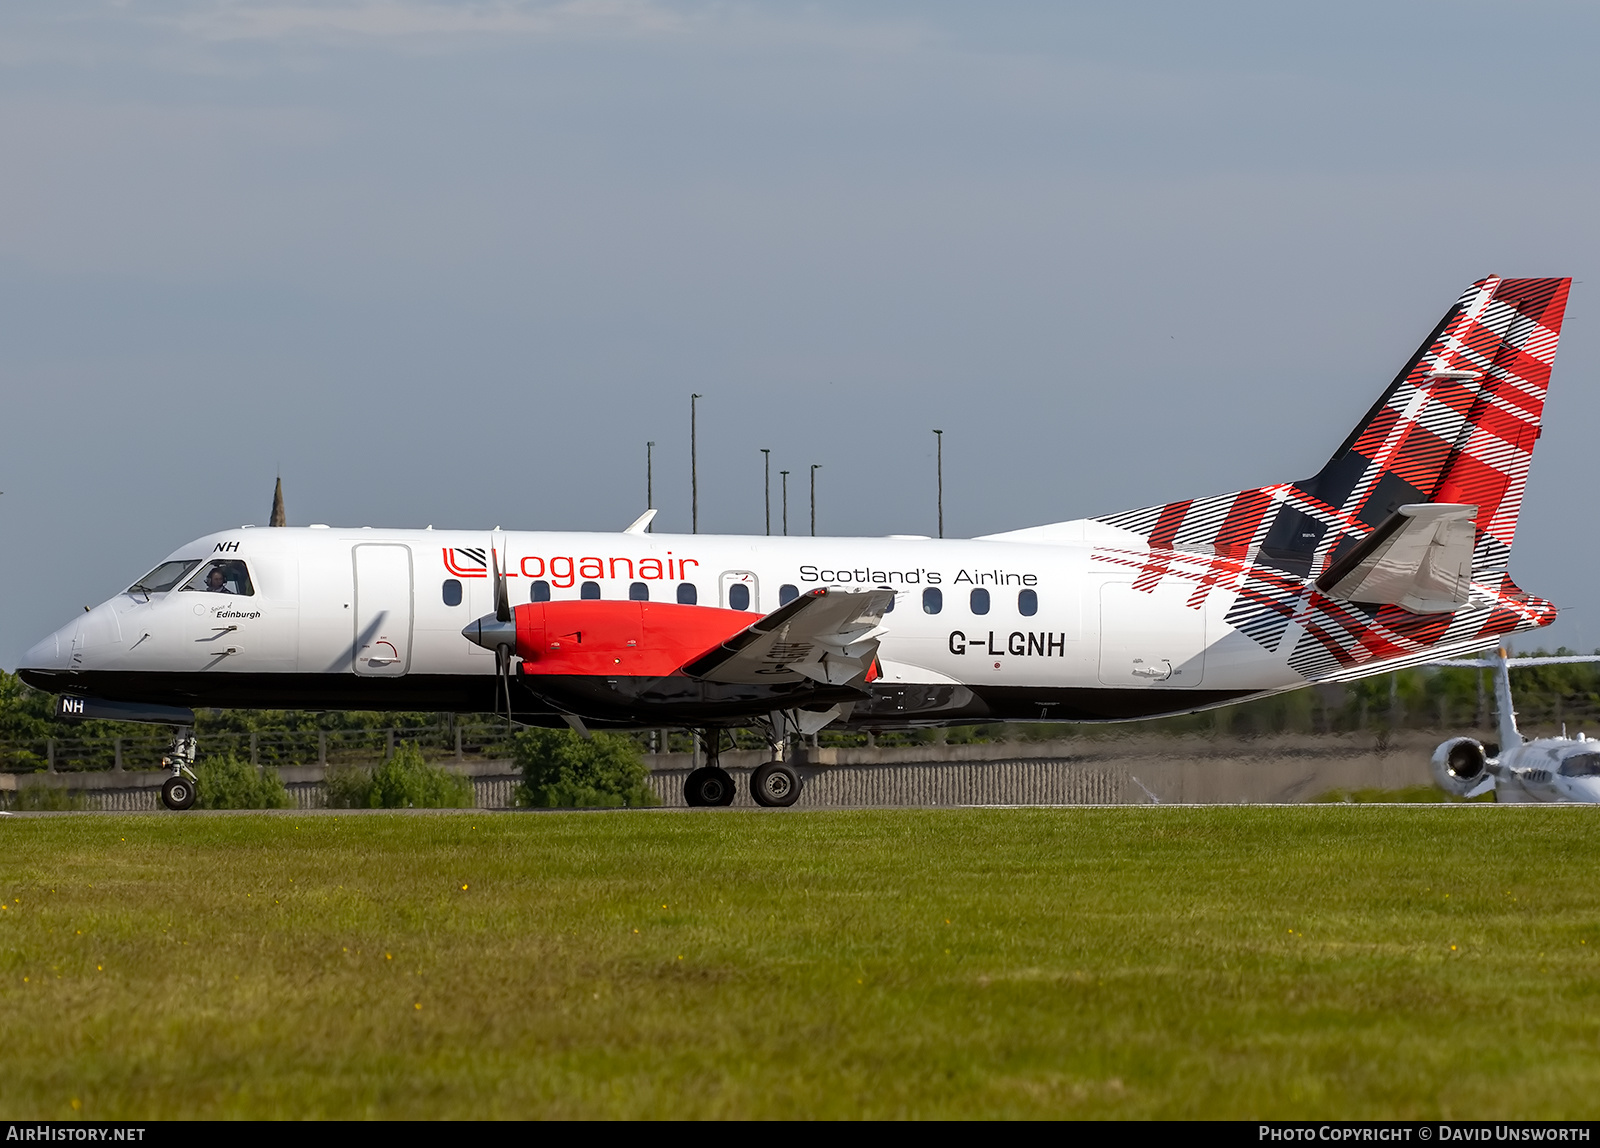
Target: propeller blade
[502, 595]
[502, 658]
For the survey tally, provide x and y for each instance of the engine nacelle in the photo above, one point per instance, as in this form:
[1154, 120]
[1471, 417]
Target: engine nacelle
[1460, 766]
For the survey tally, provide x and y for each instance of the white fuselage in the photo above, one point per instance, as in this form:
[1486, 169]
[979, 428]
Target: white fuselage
[370, 618]
[1549, 769]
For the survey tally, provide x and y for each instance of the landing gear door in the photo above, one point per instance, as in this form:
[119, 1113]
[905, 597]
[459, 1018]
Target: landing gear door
[737, 591]
[383, 609]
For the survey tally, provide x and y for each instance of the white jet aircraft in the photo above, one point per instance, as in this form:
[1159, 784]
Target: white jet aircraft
[1395, 553]
[1545, 769]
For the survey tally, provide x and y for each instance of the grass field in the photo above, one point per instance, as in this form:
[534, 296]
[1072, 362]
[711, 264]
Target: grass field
[1351, 961]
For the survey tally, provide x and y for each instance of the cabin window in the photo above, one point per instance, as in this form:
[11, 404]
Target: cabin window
[932, 600]
[164, 577]
[686, 594]
[1027, 603]
[638, 592]
[980, 601]
[738, 596]
[889, 609]
[590, 591]
[452, 591]
[225, 576]
[539, 591]
[787, 594]
[1581, 765]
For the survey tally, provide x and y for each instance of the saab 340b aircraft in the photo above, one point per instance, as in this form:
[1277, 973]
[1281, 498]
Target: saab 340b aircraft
[1395, 553]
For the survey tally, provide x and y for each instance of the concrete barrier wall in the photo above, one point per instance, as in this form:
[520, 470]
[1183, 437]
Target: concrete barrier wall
[1036, 782]
[1129, 770]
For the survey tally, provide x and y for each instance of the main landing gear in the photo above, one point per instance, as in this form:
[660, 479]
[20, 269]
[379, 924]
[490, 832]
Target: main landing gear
[178, 791]
[774, 784]
[710, 785]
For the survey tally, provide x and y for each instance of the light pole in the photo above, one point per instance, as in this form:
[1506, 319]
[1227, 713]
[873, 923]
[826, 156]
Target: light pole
[649, 479]
[938, 437]
[816, 466]
[694, 472]
[766, 482]
[785, 475]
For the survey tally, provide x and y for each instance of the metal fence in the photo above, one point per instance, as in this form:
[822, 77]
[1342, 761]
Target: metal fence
[1020, 782]
[460, 742]
[488, 793]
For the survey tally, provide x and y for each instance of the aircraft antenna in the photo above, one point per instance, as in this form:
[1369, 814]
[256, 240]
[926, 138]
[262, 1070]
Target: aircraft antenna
[694, 471]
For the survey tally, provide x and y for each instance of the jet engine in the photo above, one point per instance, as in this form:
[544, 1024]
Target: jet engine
[1461, 766]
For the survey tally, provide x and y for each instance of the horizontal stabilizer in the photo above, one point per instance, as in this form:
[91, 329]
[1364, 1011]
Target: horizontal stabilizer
[1419, 559]
[826, 636]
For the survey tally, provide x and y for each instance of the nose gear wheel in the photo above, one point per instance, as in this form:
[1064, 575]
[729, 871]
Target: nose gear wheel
[177, 793]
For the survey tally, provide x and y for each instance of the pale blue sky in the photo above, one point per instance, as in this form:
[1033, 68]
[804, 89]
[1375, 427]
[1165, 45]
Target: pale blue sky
[455, 263]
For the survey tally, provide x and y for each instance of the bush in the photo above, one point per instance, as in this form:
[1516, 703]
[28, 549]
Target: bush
[347, 787]
[225, 782]
[405, 781]
[45, 799]
[561, 770]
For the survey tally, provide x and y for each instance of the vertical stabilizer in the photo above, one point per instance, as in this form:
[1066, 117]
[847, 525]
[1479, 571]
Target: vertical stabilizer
[1456, 426]
[278, 518]
[1510, 736]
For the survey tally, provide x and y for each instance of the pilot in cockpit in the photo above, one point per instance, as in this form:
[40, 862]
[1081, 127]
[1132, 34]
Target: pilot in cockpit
[222, 577]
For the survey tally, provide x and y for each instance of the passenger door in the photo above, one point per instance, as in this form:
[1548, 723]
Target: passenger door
[383, 609]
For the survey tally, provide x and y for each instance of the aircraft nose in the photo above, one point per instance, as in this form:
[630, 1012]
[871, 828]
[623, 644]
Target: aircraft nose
[45, 655]
[489, 632]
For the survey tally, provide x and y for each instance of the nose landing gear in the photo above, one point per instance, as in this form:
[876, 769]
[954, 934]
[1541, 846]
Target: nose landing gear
[178, 791]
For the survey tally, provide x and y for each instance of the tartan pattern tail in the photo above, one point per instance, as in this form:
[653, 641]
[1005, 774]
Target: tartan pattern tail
[1457, 424]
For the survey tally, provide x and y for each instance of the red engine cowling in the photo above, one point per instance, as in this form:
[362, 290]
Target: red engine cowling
[626, 639]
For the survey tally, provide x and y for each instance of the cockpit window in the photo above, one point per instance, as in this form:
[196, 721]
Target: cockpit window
[164, 577]
[224, 576]
[1581, 765]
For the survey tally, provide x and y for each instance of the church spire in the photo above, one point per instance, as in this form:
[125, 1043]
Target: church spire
[278, 518]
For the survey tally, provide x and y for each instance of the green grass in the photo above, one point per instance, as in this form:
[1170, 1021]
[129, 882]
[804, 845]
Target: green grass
[1331, 961]
[1410, 795]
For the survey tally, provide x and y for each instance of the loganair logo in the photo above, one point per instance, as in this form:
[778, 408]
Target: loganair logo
[465, 562]
[564, 570]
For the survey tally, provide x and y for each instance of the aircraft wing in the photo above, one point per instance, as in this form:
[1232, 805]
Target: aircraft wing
[1419, 559]
[826, 636]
